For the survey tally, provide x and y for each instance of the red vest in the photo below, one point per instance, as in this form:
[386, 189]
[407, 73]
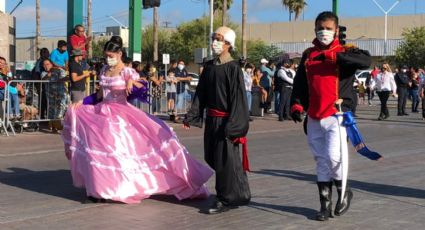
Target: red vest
[323, 78]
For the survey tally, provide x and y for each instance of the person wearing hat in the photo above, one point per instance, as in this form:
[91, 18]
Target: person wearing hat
[221, 91]
[285, 80]
[78, 76]
[402, 81]
[266, 82]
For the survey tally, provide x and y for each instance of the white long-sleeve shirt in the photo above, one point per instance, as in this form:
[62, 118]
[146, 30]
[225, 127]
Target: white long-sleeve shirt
[282, 74]
[385, 82]
[247, 80]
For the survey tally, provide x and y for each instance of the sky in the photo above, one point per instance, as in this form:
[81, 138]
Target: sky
[53, 12]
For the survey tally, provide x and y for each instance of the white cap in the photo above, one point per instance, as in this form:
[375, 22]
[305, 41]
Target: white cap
[228, 34]
[264, 61]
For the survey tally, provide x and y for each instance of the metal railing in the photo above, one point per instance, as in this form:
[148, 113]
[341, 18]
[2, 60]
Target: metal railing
[38, 103]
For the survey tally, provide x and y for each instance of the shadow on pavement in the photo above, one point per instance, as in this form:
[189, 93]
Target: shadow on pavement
[200, 204]
[55, 183]
[384, 189]
[307, 212]
[59, 183]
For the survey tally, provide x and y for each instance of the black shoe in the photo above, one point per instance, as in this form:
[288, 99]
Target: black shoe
[405, 114]
[91, 200]
[218, 207]
[343, 204]
[399, 114]
[280, 119]
[325, 194]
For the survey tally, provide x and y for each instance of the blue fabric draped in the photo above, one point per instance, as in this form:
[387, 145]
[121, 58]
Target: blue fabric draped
[356, 138]
[141, 94]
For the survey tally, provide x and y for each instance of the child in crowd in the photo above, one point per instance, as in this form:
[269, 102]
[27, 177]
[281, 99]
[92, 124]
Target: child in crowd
[171, 92]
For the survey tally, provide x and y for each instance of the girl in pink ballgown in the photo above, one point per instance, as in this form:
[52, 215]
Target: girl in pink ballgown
[118, 152]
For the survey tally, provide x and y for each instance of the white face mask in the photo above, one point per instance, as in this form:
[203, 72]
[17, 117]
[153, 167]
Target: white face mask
[325, 37]
[111, 61]
[180, 66]
[249, 71]
[404, 70]
[217, 47]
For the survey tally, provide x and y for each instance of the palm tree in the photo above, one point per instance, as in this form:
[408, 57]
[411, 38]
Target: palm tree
[218, 4]
[294, 6]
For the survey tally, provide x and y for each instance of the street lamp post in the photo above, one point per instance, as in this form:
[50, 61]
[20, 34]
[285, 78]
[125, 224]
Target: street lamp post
[386, 22]
[211, 26]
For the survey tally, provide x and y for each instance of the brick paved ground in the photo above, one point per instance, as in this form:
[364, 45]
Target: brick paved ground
[36, 190]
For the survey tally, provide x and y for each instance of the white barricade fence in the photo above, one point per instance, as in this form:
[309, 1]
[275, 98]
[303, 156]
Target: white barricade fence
[42, 96]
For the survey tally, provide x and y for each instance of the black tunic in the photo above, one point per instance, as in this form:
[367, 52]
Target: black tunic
[221, 87]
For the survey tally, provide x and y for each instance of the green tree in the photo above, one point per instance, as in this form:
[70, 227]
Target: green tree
[164, 45]
[258, 49]
[294, 6]
[412, 50]
[97, 47]
[218, 5]
[191, 35]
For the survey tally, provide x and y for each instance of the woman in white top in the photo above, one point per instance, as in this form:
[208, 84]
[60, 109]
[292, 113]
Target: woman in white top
[385, 85]
[247, 77]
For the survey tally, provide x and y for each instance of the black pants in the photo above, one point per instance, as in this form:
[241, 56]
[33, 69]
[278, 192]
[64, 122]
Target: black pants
[383, 97]
[402, 98]
[285, 101]
[223, 156]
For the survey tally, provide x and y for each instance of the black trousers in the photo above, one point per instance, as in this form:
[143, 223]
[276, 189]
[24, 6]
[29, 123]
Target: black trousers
[383, 97]
[401, 101]
[223, 156]
[285, 101]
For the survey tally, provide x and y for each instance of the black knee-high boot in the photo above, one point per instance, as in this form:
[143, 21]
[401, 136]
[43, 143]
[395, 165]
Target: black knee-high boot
[343, 203]
[325, 194]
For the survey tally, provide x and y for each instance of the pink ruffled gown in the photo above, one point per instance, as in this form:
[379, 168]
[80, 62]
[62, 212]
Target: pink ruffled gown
[121, 153]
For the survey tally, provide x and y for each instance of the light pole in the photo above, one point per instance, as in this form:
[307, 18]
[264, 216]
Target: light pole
[386, 22]
[211, 26]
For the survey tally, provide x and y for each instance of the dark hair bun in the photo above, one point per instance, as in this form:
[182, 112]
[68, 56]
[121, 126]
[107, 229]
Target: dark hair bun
[117, 40]
[114, 44]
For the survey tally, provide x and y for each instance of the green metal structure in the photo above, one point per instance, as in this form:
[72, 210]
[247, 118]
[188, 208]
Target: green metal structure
[75, 17]
[335, 6]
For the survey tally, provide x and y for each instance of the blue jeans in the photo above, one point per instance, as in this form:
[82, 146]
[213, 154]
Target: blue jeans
[277, 101]
[181, 99]
[13, 104]
[415, 100]
[249, 99]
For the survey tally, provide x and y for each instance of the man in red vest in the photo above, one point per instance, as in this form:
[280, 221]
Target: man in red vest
[326, 75]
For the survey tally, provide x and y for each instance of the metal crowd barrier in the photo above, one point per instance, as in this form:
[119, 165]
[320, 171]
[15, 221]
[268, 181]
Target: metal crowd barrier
[37, 103]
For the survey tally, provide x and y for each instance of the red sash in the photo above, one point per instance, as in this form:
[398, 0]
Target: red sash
[240, 140]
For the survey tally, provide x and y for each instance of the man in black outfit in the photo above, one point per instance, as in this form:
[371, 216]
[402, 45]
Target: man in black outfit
[402, 81]
[285, 79]
[221, 91]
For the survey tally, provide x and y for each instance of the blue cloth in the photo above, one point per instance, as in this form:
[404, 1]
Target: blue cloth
[58, 58]
[12, 89]
[249, 100]
[13, 104]
[356, 138]
[1, 94]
